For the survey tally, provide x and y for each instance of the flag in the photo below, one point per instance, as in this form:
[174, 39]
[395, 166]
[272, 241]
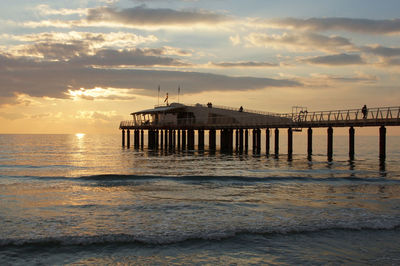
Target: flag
[166, 98]
[179, 89]
[158, 88]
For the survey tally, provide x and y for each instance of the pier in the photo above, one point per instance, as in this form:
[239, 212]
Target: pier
[176, 126]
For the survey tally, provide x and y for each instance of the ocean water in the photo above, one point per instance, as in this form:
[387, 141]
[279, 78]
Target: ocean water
[73, 199]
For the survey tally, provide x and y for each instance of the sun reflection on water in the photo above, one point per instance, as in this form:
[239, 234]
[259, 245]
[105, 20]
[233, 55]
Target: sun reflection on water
[79, 135]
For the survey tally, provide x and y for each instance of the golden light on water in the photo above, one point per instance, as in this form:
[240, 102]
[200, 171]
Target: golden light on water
[79, 135]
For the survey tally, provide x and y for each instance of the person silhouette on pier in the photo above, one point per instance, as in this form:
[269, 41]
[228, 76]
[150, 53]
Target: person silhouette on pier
[364, 111]
[241, 109]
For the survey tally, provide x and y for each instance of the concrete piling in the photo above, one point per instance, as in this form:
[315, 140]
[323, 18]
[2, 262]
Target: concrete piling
[351, 143]
[382, 143]
[330, 143]
[276, 142]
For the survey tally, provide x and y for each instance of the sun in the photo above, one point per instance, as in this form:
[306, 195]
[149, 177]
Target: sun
[79, 135]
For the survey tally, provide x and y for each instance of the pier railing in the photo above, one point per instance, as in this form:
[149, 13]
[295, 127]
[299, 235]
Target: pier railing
[350, 117]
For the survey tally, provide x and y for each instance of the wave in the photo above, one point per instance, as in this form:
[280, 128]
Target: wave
[208, 178]
[118, 177]
[112, 239]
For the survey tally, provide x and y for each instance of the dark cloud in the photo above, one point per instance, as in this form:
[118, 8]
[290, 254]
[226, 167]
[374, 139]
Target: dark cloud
[245, 64]
[386, 26]
[393, 61]
[57, 50]
[382, 51]
[53, 79]
[134, 57]
[142, 15]
[306, 41]
[336, 60]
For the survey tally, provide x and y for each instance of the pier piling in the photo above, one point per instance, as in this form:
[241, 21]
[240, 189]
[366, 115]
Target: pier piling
[123, 138]
[290, 142]
[382, 143]
[351, 143]
[267, 141]
[330, 143]
[200, 134]
[276, 142]
[190, 139]
[128, 138]
[212, 139]
[309, 142]
[246, 140]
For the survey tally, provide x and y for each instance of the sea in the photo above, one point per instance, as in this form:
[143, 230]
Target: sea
[86, 200]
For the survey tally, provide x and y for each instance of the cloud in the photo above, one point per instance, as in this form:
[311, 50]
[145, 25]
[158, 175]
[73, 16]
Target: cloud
[98, 115]
[336, 60]
[305, 42]
[244, 64]
[66, 45]
[54, 78]
[381, 50]
[392, 61]
[358, 77]
[387, 26]
[141, 16]
[46, 10]
[235, 39]
[11, 116]
[134, 57]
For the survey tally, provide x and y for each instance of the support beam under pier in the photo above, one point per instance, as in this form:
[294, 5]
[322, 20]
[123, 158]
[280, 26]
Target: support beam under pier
[330, 143]
[212, 139]
[200, 133]
[178, 145]
[141, 139]
[267, 141]
[184, 140]
[382, 143]
[290, 142]
[246, 141]
[351, 143]
[123, 138]
[309, 142]
[276, 142]
[128, 138]
[190, 139]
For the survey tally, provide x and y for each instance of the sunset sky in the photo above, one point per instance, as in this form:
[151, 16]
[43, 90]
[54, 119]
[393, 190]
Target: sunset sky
[82, 65]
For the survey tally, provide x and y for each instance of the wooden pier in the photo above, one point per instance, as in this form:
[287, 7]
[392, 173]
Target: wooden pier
[174, 127]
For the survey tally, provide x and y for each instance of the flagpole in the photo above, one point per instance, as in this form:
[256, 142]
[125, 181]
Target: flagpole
[179, 91]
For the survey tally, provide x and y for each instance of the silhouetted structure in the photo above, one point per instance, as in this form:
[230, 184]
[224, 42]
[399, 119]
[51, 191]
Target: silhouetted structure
[165, 123]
